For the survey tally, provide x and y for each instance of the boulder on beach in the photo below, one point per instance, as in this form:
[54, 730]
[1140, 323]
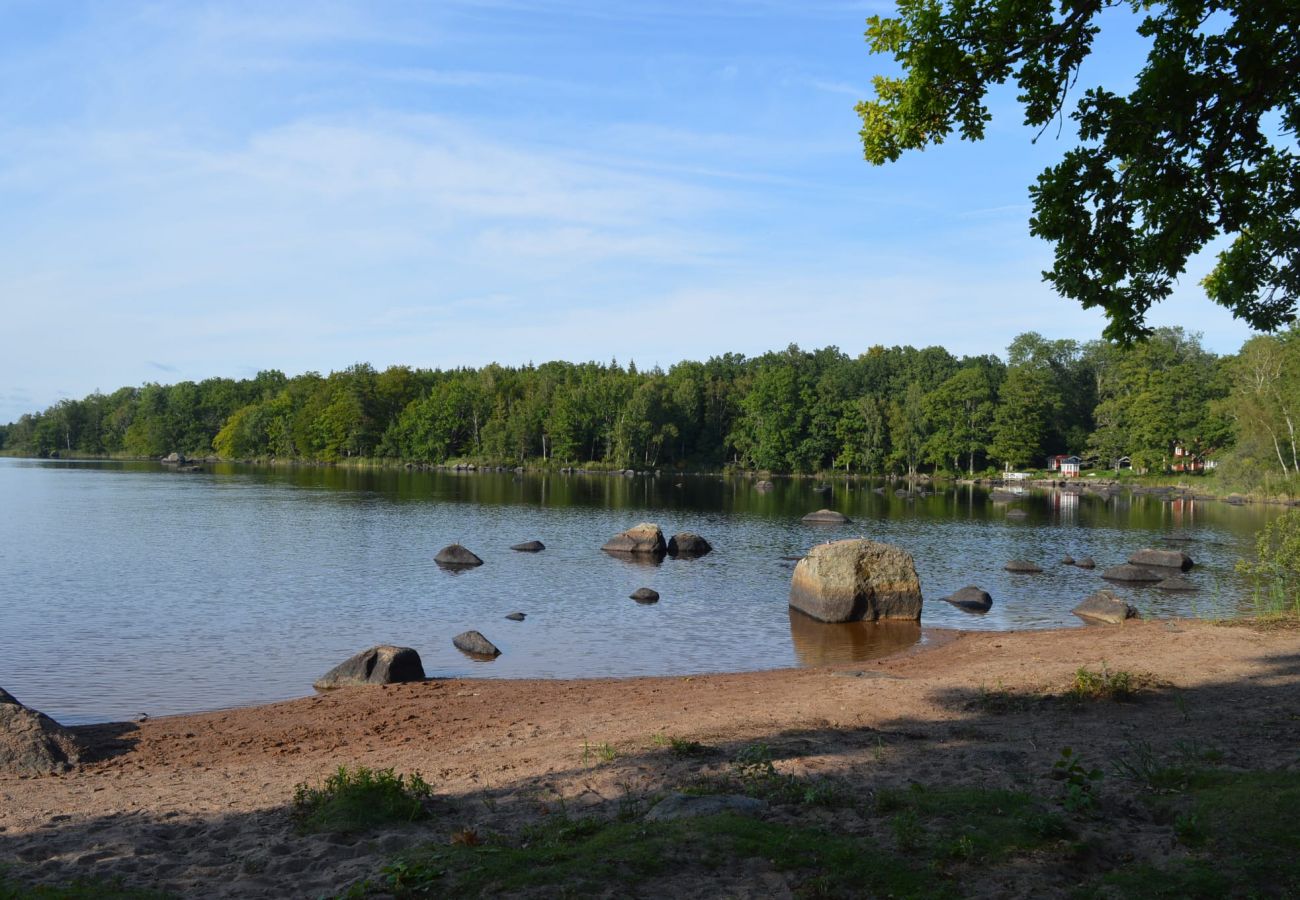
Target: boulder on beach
[529, 547]
[854, 580]
[1106, 608]
[825, 517]
[687, 544]
[1130, 572]
[1164, 559]
[473, 643]
[970, 599]
[31, 743]
[455, 556]
[1023, 565]
[384, 664]
[645, 595]
[644, 539]
[1176, 583]
[1086, 562]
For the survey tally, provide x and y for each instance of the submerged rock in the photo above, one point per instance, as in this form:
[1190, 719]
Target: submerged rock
[384, 664]
[456, 556]
[644, 539]
[825, 517]
[688, 544]
[1176, 583]
[529, 547]
[971, 599]
[645, 595]
[1106, 608]
[1129, 572]
[473, 643]
[853, 580]
[1023, 565]
[1164, 559]
[31, 743]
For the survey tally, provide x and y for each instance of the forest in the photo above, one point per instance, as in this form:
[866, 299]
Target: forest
[895, 410]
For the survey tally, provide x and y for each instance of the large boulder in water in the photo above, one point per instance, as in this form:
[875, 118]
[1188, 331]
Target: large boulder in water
[825, 517]
[456, 557]
[1106, 608]
[31, 743]
[687, 544]
[853, 580]
[473, 643]
[644, 539]
[1164, 559]
[384, 664]
[971, 599]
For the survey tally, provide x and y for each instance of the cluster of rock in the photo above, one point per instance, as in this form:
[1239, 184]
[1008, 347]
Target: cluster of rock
[1163, 568]
[647, 539]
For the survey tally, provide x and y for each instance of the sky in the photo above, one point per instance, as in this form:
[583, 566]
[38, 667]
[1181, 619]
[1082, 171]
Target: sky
[201, 189]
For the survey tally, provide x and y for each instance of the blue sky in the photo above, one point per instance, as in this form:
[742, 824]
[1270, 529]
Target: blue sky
[197, 189]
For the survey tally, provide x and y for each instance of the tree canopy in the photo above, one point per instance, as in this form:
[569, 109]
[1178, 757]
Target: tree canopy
[1201, 150]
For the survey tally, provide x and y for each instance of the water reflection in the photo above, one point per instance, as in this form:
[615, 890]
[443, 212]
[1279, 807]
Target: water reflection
[820, 643]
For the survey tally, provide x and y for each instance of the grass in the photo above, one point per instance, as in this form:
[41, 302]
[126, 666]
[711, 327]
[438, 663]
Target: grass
[970, 824]
[1242, 835]
[680, 746]
[753, 772]
[594, 754]
[1103, 685]
[78, 889]
[358, 799]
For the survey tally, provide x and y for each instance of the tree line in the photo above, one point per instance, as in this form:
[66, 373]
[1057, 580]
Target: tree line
[889, 410]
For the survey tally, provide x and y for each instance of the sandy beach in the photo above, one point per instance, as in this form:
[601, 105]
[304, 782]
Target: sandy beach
[198, 805]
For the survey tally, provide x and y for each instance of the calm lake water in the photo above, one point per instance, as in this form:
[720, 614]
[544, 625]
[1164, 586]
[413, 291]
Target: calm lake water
[129, 587]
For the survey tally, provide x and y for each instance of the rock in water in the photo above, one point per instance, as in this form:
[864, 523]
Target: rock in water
[475, 644]
[1128, 572]
[1086, 562]
[825, 517]
[1067, 560]
[455, 556]
[31, 743]
[529, 547]
[848, 581]
[644, 539]
[1105, 608]
[1017, 514]
[971, 599]
[687, 544]
[384, 664]
[516, 616]
[1175, 583]
[645, 595]
[1022, 565]
[1164, 559]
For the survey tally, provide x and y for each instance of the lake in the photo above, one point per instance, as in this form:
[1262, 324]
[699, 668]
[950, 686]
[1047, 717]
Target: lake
[130, 588]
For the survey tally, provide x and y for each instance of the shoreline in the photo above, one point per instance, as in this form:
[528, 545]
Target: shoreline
[197, 804]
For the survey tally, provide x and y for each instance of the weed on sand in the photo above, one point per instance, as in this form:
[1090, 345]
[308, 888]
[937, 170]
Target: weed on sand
[357, 799]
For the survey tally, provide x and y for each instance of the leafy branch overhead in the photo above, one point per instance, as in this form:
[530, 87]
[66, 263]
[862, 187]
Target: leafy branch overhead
[1202, 148]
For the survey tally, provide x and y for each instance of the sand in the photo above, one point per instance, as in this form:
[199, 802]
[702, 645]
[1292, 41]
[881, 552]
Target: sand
[198, 804]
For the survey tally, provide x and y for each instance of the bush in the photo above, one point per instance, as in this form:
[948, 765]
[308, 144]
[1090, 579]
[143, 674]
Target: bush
[360, 798]
[1277, 569]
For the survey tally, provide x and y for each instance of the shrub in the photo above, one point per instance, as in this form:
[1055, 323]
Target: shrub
[360, 798]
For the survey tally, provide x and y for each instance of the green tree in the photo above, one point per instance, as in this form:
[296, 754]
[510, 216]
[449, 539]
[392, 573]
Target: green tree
[1027, 401]
[961, 413]
[1201, 147]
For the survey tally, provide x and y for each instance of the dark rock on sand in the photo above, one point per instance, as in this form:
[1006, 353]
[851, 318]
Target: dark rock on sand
[854, 580]
[31, 743]
[456, 556]
[384, 664]
[1106, 608]
[473, 643]
[687, 544]
[971, 599]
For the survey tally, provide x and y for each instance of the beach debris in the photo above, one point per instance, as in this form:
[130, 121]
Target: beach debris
[687, 544]
[826, 517]
[473, 643]
[1105, 607]
[31, 743]
[1023, 566]
[1176, 583]
[970, 599]
[529, 547]
[645, 595]
[693, 806]
[384, 664]
[1164, 559]
[1130, 572]
[454, 556]
[855, 580]
[644, 539]
[516, 616]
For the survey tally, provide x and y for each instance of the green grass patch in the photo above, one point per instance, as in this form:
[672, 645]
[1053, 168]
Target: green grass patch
[77, 889]
[361, 798]
[1103, 685]
[970, 824]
